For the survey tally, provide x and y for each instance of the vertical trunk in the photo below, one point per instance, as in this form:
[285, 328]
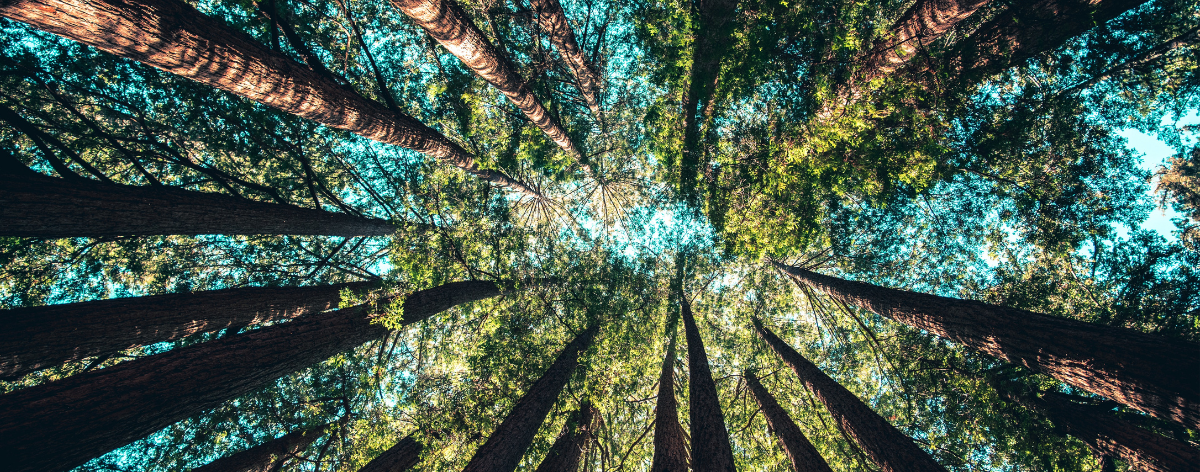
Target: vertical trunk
[173, 36]
[45, 336]
[453, 29]
[62, 424]
[576, 437]
[553, 21]
[922, 24]
[50, 207]
[800, 452]
[268, 456]
[1137, 369]
[713, 38]
[397, 458]
[504, 448]
[670, 447]
[710, 441]
[885, 445]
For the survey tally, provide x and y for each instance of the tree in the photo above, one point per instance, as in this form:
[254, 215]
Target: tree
[710, 440]
[268, 456]
[712, 40]
[573, 442]
[921, 25]
[553, 22]
[670, 448]
[800, 452]
[398, 458]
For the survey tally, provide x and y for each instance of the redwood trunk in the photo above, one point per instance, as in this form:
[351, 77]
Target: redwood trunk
[175, 37]
[670, 447]
[922, 24]
[425, 303]
[268, 456]
[62, 424]
[712, 41]
[553, 21]
[803, 456]
[51, 207]
[885, 445]
[576, 437]
[454, 30]
[710, 441]
[397, 458]
[45, 336]
[1137, 369]
[507, 444]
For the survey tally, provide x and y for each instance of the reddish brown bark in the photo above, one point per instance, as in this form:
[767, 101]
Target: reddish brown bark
[40, 337]
[504, 448]
[268, 456]
[553, 22]
[713, 38]
[454, 30]
[175, 37]
[922, 24]
[800, 452]
[670, 447]
[574, 440]
[710, 441]
[423, 304]
[885, 445]
[1137, 369]
[397, 458]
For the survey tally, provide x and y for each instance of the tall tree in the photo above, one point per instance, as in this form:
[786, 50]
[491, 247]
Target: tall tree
[503, 449]
[1136, 369]
[453, 29]
[803, 456]
[268, 456]
[552, 21]
[398, 458]
[193, 45]
[885, 445]
[670, 447]
[62, 424]
[711, 41]
[573, 442]
[710, 440]
[921, 25]
[45, 336]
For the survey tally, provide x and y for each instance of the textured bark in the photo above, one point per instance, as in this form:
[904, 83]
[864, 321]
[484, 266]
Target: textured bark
[266, 457]
[454, 30]
[710, 441]
[1136, 369]
[504, 448]
[553, 21]
[175, 37]
[425, 303]
[922, 24]
[712, 41]
[45, 336]
[62, 424]
[670, 447]
[397, 458]
[574, 440]
[50, 207]
[885, 445]
[803, 456]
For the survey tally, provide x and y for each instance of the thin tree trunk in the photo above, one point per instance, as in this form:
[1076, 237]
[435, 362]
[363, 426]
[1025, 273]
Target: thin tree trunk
[922, 24]
[175, 37]
[710, 441]
[803, 456]
[50, 207]
[268, 456]
[397, 458]
[670, 447]
[553, 21]
[40, 337]
[62, 424]
[712, 41]
[454, 30]
[885, 445]
[1136, 369]
[504, 448]
[576, 437]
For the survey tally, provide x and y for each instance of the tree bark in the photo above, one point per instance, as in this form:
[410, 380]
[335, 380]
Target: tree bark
[922, 24]
[670, 447]
[397, 458]
[62, 424]
[553, 21]
[503, 449]
[885, 445]
[713, 38]
[51, 207]
[1136, 369]
[45, 336]
[175, 37]
[425, 303]
[454, 30]
[710, 441]
[803, 456]
[576, 437]
[266, 457]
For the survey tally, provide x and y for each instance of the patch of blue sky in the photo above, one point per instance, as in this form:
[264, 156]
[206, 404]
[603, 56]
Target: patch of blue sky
[1155, 153]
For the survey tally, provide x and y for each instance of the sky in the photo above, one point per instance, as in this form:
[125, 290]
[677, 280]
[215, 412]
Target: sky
[1154, 154]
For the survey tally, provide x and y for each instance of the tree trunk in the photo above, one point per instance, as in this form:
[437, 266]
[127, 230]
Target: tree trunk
[62, 424]
[397, 458]
[175, 37]
[710, 441]
[454, 30]
[553, 21]
[507, 444]
[576, 437]
[713, 38]
[266, 457]
[50, 207]
[45, 336]
[922, 24]
[1137, 369]
[885, 445]
[670, 447]
[425, 303]
[800, 452]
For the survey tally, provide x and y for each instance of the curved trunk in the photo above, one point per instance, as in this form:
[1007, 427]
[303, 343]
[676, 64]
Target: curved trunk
[398, 458]
[45, 336]
[1136, 369]
[710, 441]
[268, 456]
[670, 447]
[803, 456]
[175, 37]
[885, 445]
[553, 21]
[713, 38]
[574, 440]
